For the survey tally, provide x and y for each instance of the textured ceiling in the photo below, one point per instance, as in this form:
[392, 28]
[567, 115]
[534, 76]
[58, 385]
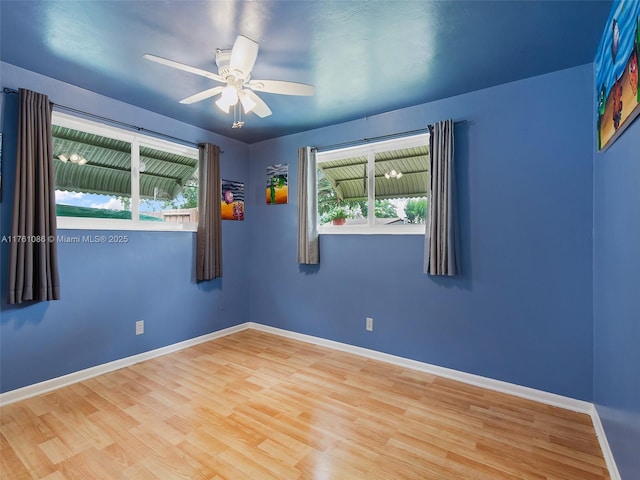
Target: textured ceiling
[364, 57]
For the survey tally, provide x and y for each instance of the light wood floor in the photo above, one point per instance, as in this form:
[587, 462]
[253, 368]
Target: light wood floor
[257, 406]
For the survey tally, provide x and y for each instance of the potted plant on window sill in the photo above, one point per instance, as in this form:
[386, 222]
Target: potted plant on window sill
[338, 215]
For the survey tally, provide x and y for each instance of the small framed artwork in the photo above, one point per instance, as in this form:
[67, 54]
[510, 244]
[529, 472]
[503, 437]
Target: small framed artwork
[277, 184]
[616, 70]
[232, 205]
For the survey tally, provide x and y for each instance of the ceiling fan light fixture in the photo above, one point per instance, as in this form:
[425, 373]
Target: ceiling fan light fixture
[393, 174]
[247, 102]
[222, 105]
[73, 158]
[228, 98]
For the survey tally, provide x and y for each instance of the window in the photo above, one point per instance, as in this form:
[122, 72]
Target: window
[374, 188]
[110, 178]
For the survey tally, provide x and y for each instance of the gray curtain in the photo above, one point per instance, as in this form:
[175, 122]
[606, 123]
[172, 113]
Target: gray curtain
[308, 242]
[440, 246]
[209, 241]
[33, 255]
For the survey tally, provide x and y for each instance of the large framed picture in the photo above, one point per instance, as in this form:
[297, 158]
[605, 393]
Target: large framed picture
[616, 71]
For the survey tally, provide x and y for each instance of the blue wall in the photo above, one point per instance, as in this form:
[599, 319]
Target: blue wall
[522, 309]
[520, 312]
[107, 287]
[616, 298]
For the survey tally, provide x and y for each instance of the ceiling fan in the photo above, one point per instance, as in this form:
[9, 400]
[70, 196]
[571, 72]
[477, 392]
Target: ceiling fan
[234, 70]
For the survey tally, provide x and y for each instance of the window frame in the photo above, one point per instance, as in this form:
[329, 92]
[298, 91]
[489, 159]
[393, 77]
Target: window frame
[136, 140]
[370, 150]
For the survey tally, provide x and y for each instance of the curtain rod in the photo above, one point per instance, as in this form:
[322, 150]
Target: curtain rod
[112, 121]
[363, 141]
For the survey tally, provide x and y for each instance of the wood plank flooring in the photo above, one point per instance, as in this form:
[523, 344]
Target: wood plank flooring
[257, 406]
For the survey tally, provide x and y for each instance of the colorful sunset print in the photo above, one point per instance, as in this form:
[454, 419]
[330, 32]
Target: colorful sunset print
[277, 184]
[616, 69]
[232, 205]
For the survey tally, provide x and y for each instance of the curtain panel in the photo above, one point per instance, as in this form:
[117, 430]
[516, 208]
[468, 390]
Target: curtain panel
[308, 241]
[33, 253]
[440, 247]
[209, 237]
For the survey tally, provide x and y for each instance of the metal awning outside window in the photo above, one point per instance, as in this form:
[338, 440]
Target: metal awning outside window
[348, 176]
[108, 167]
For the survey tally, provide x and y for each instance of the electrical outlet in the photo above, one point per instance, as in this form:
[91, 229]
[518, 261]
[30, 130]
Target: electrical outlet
[139, 327]
[369, 325]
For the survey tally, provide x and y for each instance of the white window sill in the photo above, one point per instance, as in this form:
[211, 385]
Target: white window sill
[366, 230]
[78, 223]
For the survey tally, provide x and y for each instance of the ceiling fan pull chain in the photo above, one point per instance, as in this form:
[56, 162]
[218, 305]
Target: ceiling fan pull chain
[237, 116]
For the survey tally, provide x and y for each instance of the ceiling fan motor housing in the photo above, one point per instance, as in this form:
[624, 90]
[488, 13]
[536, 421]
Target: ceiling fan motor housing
[223, 60]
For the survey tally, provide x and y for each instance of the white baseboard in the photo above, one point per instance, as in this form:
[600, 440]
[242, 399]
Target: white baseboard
[541, 396]
[29, 391]
[604, 444]
[469, 378]
[484, 382]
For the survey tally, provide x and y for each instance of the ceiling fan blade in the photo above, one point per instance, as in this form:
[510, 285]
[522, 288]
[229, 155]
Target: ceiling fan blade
[202, 95]
[243, 56]
[183, 67]
[261, 109]
[281, 87]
